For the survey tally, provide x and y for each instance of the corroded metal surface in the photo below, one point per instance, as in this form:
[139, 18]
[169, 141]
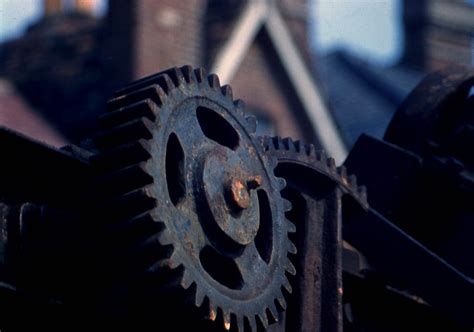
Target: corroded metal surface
[422, 187]
[315, 187]
[176, 209]
[221, 233]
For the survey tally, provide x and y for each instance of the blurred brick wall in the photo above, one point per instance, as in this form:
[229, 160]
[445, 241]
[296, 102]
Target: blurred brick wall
[153, 35]
[68, 64]
[260, 79]
[262, 89]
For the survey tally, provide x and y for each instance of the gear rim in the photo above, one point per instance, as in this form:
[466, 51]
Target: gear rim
[286, 150]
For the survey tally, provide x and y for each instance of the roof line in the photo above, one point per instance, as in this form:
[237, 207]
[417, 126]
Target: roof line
[258, 14]
[319, 115]
[233, 52]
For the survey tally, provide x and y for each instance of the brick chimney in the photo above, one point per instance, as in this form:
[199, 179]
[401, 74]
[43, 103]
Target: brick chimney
[145, 36]
[52, 7]
[85, 6]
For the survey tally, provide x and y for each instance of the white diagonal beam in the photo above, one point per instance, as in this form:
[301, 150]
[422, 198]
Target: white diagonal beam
[234, 50]
[319, 115]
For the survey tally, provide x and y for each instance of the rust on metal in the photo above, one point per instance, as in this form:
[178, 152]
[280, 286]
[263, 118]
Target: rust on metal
[240, 194]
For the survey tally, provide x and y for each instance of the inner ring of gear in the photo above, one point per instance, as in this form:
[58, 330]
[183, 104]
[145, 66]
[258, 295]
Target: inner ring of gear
[195, 214]
[212, 169]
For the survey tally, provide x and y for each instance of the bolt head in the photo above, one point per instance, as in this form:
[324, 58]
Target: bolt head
[240, 194]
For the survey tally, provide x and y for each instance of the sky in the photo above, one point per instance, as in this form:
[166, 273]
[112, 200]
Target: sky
[17, 15]
[369, 28]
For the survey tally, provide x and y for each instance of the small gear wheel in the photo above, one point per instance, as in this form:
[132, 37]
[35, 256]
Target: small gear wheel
[178, 151]
[299, 156]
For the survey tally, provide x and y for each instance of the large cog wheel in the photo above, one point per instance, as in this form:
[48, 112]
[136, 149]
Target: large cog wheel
[179, 152]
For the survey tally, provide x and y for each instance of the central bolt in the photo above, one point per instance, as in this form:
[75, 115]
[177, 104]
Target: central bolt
[240, 191]
[240, 194]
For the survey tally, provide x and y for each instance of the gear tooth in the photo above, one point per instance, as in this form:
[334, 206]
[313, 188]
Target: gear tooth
[273, 162]
[188, 73]
[165, 238]
[212, 312]
[146, 218]
[157, 257]
[155, 92]
[167, 79]
[290, 267]
[131, 204]
[342, 171]
[288, 144]
[175, 75]
[198, 297]
[291, 227]
[150, 242]
[251, 123]
[272, 312]
[298, 145]
[123, 155]
[266, 142]
[200, 74]
[214, 82]
[321, 156]
[292, 248]
[353, 181]
[363, 193]
[158, 266]
[240, 323]
[126, 179]
[287, 205]
[252, 323]
[186, 280]
[262, 317]
[280, 300]
[331, 164]
[239, 105]
[174, 262]
[287, 285]
[162, 267]
[281, 183]
[227, 91]
[310, 150]
[145, 108]
[131, 131]
[226, 316]
[146, 192]
[165, 82]
[277, 142]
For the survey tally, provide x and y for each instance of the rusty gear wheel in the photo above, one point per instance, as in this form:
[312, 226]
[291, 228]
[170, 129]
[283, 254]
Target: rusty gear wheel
[178, 152]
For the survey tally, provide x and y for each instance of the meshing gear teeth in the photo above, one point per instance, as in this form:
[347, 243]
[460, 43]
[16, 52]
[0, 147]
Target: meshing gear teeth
[287, 150]
[177, 151]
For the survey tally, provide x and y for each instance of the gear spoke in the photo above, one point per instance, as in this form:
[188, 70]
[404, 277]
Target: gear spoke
[250, 264]
[192, 139]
